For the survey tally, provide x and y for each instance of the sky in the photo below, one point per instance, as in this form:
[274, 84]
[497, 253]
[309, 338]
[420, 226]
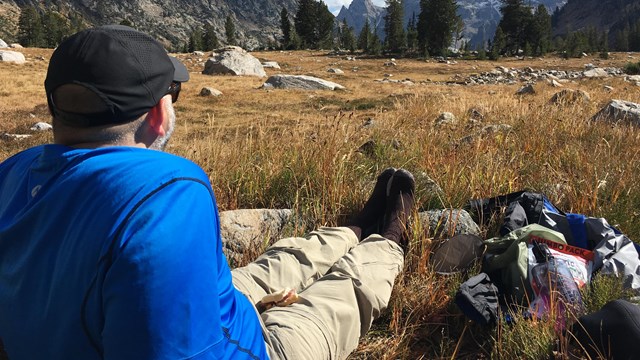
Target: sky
[335, 5]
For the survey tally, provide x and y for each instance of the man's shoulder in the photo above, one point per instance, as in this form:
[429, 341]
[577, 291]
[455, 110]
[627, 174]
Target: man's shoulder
[144, 162]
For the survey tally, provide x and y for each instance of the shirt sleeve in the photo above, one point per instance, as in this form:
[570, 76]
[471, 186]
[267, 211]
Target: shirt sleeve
[160, 293]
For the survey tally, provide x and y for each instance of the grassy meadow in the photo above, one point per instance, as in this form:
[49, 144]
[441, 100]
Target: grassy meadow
[299, 150]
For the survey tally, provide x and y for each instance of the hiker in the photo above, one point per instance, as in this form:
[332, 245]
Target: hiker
[111, 249]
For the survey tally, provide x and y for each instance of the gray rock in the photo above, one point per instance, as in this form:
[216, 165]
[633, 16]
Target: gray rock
[608, 88]
[335, 71]
[619, 111]
[12, 56]
[209, 91]
[446, 118]
[16, 46]
[41, 126]
[233, 60]
[476, 114]
[428, 187]
[198, 53]
[369, 123]
[246, 229]
[3, 44]
[270, 65]
[368, 148]
[595, 73]
[16, 136]
[526, 90]
[633, 78]
[568, 96]
[495, 128]
[302, 82]
[554, 83]
[446, 223]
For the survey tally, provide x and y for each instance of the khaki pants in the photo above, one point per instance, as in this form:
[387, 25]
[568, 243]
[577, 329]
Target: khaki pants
[343, 286]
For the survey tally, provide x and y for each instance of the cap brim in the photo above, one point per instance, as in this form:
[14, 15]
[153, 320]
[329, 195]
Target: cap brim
[180, 73]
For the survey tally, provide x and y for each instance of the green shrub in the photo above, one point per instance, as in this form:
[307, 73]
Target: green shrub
[632, 68]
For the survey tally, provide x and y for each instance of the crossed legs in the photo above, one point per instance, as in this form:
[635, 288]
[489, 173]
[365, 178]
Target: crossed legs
[343, 283]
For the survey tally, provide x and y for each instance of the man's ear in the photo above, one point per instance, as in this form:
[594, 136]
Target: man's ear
[158, 118]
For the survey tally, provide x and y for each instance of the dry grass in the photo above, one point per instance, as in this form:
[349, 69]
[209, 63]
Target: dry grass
[296, 149]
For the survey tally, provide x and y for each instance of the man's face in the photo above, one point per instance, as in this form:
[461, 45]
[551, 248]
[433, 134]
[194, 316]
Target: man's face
[161, 142]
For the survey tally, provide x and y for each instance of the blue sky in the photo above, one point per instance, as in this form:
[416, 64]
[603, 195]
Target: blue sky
[335, 5]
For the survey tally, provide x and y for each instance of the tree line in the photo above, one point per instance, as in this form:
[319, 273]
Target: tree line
[430, 32]
[435, 31]
[47, 28]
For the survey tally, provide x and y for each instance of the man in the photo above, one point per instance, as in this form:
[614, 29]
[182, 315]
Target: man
[110, 249]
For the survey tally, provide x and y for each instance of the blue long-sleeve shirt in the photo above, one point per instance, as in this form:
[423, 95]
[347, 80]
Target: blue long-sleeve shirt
[116, 253]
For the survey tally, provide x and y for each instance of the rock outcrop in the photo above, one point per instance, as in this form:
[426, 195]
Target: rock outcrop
[232, 60]
[302, 82]
[12, 56]
[619, 111]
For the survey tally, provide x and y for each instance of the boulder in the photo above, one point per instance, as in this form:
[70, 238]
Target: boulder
[198, 53]
[16, 46]
[335, 71]
[619, 111]
[270, 65]
[633, 78]
[41, 126]
[302, 82]
[209, 91]
[3, 44]
[526, 90]
[568, 96]
[446, 118]
[233, 60]
[554, 83]
[246, 229]
[475, 114]
[595, 73]
[16, 136]
[12, 56]
[445, 223]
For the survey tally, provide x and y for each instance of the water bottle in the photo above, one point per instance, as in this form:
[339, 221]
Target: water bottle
[555, 289]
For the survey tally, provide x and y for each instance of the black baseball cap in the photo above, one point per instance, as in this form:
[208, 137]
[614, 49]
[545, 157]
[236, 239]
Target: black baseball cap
[127, 70]
[611, 332]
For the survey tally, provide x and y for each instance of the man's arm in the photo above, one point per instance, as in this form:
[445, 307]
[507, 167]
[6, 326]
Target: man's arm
[160, 294]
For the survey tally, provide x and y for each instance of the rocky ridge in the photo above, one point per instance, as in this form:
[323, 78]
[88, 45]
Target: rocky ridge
[257, 22]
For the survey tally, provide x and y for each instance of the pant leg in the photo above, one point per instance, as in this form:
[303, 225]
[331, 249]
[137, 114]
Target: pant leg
[337, 309]
[293, 262]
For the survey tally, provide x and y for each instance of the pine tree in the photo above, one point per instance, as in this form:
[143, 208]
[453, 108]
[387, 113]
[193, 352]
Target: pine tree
[30, 31]
[436, 25]
[314, 24]
[305, 22]
[285, 26]
[412, 34]
[209, 38]
[55, 28]
[498, 44]
[375, 44]
[539, 31]
[325, 25]
[395, 40]
[516, 17]
[230, 30]
[347, 39]
[195, 40]
[364, 37]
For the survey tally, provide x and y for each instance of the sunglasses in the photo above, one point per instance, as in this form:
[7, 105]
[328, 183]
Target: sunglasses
[174, 91]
